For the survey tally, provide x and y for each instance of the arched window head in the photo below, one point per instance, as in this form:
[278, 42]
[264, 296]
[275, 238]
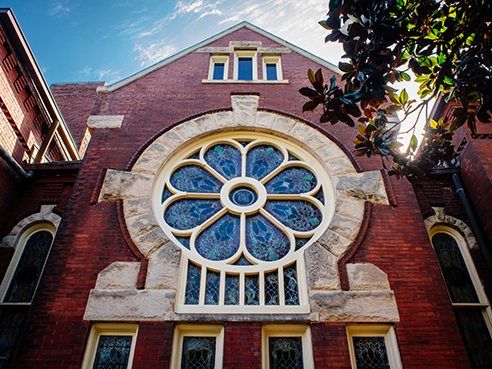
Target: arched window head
[243, 207]
[31, 252]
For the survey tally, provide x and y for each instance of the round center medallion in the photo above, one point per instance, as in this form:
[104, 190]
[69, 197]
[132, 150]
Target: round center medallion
[243, 196]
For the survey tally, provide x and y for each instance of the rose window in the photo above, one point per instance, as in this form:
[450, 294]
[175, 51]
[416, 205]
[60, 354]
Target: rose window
[243, 207]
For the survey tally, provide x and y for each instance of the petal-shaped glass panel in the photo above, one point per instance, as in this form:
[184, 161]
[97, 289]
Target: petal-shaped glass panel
[225, 159]
[265, 241]
[296, 214]
[262, 160]
[292, 180]
[188, 213]
[192, 178]
[221, 240]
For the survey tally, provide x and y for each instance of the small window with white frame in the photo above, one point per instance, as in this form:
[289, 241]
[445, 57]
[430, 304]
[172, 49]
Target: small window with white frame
[110, 345]
[245, 65]
[373, 346]
[197, 346]
[27, 265]
[219, 66]
[272, 68]
[286, 346]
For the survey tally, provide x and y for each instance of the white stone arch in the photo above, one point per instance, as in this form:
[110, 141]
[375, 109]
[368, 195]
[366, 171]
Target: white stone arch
[45, 220]
[351, 189]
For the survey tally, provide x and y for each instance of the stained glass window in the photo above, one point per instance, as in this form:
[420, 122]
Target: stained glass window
[286, 353]
[112, 352]
[370, 353]
[198, 353]
[213, 285]
[28, 271]
[244, 201]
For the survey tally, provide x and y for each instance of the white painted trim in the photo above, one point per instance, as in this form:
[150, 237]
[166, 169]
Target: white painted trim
[246, 54]
[287, 330]
[108, 329]
[375, 330]
[218, 59]
[258, 81]
[272, 59]
[197, 330]
[244, 24]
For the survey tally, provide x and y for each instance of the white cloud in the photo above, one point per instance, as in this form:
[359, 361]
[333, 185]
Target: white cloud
[58, 8]
[150, 54]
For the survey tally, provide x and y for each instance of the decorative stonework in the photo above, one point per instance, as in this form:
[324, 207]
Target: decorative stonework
[105, 121]
[45, 215]
[369, 298]
[440, 218]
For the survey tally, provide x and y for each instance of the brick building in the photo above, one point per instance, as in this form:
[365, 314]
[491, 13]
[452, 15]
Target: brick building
[211, 224]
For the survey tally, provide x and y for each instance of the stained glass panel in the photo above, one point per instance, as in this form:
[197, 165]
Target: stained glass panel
[188, 213]
[11, 321]
[232, 290]
[244, 143]
[293, 157]
[271, 288]
[213, 288]
[319, 196]
[285, 353]
[300, 242]
[242, 261]
[195, 155]
[476, 337]
[262, 160]
[192, 178]
[192, 294]
[112, 352]
[265, 241]
[251, 290]
[293, 180]
[185, 241]
[370, 353]
[198, 353]
[295, 214]
[165, 194]
[221, 240]
[290, 285]
[454, 270]
[29, 268]
[225, 159]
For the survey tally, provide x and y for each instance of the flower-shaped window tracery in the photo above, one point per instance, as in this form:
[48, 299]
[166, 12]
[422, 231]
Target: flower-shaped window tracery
[244, 207]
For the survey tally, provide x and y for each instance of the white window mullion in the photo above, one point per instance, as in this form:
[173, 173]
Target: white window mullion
[281, 289]
[203, 285]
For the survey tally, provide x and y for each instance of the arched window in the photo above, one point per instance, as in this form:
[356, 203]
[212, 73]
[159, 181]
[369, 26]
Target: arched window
[466, 293]
[243, 207]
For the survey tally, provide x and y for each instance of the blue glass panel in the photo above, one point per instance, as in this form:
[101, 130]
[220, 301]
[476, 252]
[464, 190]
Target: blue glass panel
[232, 290]
[218, 71]
[225, 159]
[295, 214]
[221, 240]
[290, 285]
[243, 196]
[195, 155]
[212, 289]
[192, 294]
[454, 270]
[285, 353]
[242, 261]
[271, 72]
[261, 160]
[188, 213]
[198, 353]
[271, 288]
[251, 290]
[192, 178]
[112, 352]
[165, 194]
[300, 242]
[292, 181]
[244, 143]
[319, 196]
[370, 352]
[293, 157]
[265, 241]
[29, 268]
[185, 241]
[245, 69]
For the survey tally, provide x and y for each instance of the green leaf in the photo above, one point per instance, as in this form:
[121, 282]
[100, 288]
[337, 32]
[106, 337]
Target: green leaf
[346, 67]
[405, 76]
[319, 76]
[309, 92]
[311, 77]
[361, 129]
[414, 142]
[403, 96]
[310, 106]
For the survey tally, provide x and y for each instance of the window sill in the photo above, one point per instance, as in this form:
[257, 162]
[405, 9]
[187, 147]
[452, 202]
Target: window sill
[254, 81]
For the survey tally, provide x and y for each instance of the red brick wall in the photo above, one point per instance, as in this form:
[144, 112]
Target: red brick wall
[90, 238]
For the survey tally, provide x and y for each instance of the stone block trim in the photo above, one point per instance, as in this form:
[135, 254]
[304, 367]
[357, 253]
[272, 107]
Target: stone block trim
[105, 121]
[352, 190]
[441, 218]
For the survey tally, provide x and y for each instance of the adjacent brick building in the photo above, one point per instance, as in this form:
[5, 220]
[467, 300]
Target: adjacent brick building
[211, 224]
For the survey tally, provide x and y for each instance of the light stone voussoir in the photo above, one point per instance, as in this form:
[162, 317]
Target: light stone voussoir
[134, 207]
[146, 165]
[264, 121]
[345, 226]
[157, 151]
[244, 108]
[171, 140]
[224, 120]
[118, 275]
[163, 269]
[367, 186]
[367, 277]
[283, 124]
[206, 124]
[125, 185]
[316, 141]
[151, 241]
[321, 269]
[141, 224]
[350, 208]
[334, 243]
[301, 131]
[188, 130]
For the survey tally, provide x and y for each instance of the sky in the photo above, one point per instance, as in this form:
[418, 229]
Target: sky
[108, 40]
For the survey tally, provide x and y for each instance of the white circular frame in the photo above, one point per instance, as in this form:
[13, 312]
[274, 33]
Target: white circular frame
[232, 138]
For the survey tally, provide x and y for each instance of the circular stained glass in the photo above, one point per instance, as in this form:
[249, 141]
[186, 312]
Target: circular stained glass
[243, 200]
